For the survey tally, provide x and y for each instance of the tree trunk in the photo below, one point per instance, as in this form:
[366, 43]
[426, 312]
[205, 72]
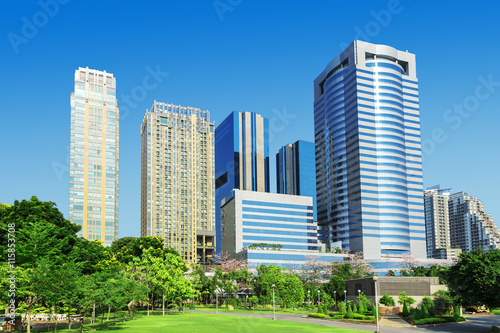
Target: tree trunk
[81, 322]
[148, 304]
[29, 318]
[163, 303]
[102, 319]
[129, 306]
[109, 310]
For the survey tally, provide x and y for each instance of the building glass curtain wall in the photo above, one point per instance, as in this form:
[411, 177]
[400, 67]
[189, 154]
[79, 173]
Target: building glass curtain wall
[93, 181]
[177, 177]
[296, 170]
[368, 152]
[241, 157]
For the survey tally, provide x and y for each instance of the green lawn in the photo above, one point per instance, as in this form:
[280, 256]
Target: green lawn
[496, 311]
[211, 323]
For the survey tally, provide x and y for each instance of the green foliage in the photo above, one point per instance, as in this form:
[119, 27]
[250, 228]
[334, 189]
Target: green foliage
[349, 312]
[320, 309]
[354, 309]
[405, 312]
[429, 321]
[362, 317]
[337, 316]
[253, 301]
[325, 309]
[442, 302]
[430, 271]
[473, 278]
[423, 312]
[289, 290]
[317, 315]
[265, 246]
[342, 308]
[427, 301]
[387, 300]
[495, 329]
[405, 299]
[456, 311]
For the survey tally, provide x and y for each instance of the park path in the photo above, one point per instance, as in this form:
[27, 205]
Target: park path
[389, 324]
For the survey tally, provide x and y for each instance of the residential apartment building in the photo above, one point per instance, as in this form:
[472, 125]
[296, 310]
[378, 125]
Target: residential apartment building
[241, 157]
[296, 171]
[94, 134]
[437, 229]
[177, 180]
[470, 226]
[368, 152]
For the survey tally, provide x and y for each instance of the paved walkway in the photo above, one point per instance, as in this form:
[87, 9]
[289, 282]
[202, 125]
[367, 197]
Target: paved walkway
[393, 321]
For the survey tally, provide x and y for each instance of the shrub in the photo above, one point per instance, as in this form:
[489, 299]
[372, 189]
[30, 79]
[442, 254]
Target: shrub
[325, 309]
[349, 312]
[405, 312]
[354, 309]
[317, 315]
[427, 301]
[423, 312]
[452, 319]
[495, 329]
[253, 300]
[403, 298]
[442, 302]
[387, 300]
[336, 316]
[429, 321]
[342, 309]
[362, 317]
[432, 311]
[456, 311]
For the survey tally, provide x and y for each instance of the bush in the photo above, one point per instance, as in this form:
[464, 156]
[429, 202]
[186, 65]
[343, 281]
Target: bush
[320, 309]
[317, 315]
[362, 317]
[451, 319]
[336, 316]
[442, 302]
[349, 312]
[429, 321]
[387, 300]
[342, 309]
[423, 312]
[354, 309]
[325, 309]
[405, 312]
[456, 311]
[427, 301]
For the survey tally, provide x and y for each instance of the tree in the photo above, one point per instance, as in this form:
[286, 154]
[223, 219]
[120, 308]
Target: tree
[475, 277]
[405, 299]
[90, 255]
[443, 302]
[253, 300]
[387, 300]
[288, 287]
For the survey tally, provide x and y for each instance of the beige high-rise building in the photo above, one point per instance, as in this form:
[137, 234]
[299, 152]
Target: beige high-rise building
[93, 192]
[470, 226]
[437, 227]
[177, 180]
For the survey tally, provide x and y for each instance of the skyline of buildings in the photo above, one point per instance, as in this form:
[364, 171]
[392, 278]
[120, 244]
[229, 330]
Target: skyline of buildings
[177, 179]
[365, 164]
[241, 158]
[94, 133]
[368, 152]
[296, 170]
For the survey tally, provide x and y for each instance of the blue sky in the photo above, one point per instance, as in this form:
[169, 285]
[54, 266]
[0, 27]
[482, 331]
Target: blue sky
[227, 55]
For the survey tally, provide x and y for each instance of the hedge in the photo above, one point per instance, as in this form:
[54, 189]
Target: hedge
[317, 315]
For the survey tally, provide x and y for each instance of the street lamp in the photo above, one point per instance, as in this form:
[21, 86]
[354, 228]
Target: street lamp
[345, 298]
[274, 312]
[216, 301]
[359, 292]
[309, 297]
[335, 294]
[375, 278]
[319, 298]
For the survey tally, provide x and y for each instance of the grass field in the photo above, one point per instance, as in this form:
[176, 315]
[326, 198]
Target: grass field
[496, 311]
[210, 323]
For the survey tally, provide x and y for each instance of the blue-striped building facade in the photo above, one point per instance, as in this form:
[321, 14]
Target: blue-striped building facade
[241, 158]
[296, 170]
[249, 218]
[368, 152]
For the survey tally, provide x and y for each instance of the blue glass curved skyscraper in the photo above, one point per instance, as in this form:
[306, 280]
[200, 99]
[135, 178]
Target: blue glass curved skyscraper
[368, 152]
